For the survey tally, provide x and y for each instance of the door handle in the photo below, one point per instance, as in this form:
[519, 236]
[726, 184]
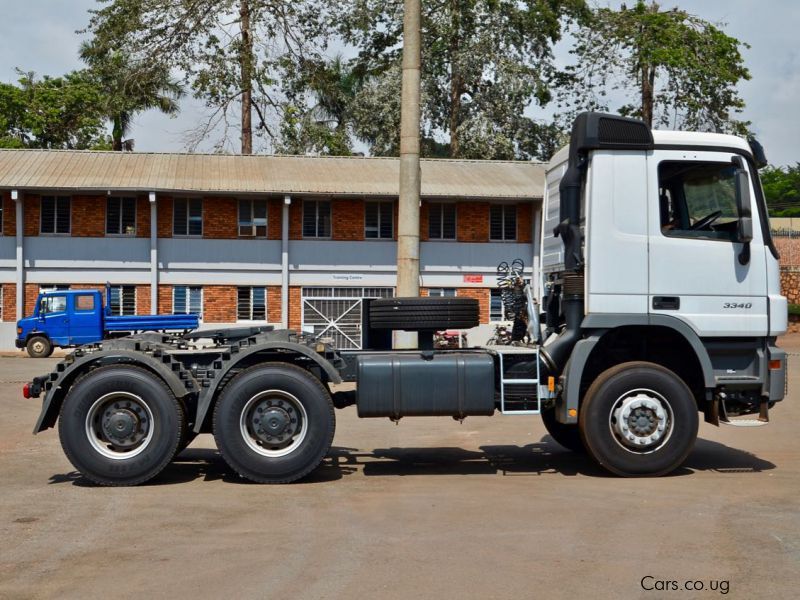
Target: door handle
[666, 302]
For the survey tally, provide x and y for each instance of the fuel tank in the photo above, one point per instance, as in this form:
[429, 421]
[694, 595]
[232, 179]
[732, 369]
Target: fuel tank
[454, 384]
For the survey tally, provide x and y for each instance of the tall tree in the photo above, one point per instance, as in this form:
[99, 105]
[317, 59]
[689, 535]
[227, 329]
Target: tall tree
[52, 112]
[128, 88]
[667, 67]
[232, 53]
[484, 63]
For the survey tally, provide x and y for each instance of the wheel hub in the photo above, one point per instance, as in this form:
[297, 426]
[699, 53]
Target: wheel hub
[274, 421]
[119, 425]
[640, 421]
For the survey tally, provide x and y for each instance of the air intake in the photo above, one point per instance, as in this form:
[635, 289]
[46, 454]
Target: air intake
[594, 131]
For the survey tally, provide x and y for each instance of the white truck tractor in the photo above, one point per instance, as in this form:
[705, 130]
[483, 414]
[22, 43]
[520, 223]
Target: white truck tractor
[658, 300]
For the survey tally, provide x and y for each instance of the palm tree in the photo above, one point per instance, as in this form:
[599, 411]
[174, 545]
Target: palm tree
[129, 88]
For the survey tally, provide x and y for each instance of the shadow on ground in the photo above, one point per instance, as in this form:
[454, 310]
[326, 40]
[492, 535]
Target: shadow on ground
[545, 457]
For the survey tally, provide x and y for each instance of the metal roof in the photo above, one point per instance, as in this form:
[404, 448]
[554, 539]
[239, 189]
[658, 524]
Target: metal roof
[236, 174]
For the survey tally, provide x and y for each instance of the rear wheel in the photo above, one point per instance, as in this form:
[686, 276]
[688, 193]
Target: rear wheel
[39, 347]
[639, 419]
[274, 423]
[120, 425]
[566, 435]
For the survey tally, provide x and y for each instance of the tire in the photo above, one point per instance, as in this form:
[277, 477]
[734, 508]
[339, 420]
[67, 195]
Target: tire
[567, 436]
[301, 417]
[39, 347]
[132, 399]
[418, 314]
[660, 398]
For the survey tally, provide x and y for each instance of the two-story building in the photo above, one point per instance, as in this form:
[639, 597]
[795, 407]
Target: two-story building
[292, 241]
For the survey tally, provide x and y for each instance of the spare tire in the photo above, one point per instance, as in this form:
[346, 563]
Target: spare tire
[420, 314]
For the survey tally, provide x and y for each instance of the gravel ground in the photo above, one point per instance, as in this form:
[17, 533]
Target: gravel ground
[491, 508]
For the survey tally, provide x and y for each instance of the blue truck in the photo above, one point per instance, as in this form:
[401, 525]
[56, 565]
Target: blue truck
[72, 318]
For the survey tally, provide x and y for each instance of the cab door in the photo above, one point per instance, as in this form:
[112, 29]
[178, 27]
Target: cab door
[699, 270]
[54, 318]
[85, 325]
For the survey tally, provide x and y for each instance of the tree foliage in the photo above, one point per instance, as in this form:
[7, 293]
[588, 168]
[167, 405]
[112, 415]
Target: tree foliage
[128, 88]
[52, 112]
[782, 190]
[232, 53]
[484, 63]
[667, 67]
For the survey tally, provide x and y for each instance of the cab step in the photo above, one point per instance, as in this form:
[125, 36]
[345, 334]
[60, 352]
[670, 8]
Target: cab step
[724, 419]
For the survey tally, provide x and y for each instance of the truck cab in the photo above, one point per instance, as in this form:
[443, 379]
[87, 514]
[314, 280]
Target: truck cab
[61, 318]
[666, 236]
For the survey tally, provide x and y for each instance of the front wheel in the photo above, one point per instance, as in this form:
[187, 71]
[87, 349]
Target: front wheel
[274, 423]
[639, 419]
[39, 347]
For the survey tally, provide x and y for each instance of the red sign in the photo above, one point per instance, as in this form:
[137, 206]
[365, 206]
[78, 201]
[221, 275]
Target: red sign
[473, 278]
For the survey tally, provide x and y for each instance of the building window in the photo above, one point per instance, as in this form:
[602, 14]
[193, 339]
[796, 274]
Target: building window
[120, 216]
[442, 221]
[378, 220]
[123, 300]
[496, 306]
[187, 300]
[251, 303]
[253, 218]
[442, 292]
[55, 214]
[503, 223]
[187, 216]
[316, 218]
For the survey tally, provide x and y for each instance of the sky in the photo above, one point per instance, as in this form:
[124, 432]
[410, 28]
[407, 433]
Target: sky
[39, 35]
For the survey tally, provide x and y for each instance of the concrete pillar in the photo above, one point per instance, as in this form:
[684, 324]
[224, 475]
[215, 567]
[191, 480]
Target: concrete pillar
[20, 265]
[287, 202]
[408, 212]
[153, 253]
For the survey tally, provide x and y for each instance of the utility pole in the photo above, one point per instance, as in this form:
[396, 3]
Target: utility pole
[408, 227]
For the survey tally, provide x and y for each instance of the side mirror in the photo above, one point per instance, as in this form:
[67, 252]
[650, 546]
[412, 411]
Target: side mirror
[745, 229]
[743, 204]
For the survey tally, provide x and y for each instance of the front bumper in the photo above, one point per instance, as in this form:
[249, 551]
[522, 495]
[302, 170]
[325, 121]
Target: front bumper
[19, 343]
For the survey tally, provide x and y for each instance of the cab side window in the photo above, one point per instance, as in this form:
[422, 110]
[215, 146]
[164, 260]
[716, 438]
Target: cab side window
[53, 304]
[698, 200]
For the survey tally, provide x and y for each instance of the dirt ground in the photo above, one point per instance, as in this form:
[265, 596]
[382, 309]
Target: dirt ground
[491, 508]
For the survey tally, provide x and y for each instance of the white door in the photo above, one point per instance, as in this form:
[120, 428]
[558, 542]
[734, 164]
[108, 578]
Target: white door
[695, 269]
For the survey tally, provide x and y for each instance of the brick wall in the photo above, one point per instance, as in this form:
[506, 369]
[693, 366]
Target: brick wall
[274, 303]
[472, 221]
[220, 218]
[164, 299]
[524, 222]
[31, 292]
[143, 300]
[31, 209]
[164, 210]
[9, 215]
[9, 302]
[88, 216]
[296, 219]
[219, 303]
[142, 216]
[790, 284]
[274, 218]
[295, 308]
[348, 220]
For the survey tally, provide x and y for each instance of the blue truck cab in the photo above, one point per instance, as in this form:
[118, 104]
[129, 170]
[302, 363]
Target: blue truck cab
[65, 318]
